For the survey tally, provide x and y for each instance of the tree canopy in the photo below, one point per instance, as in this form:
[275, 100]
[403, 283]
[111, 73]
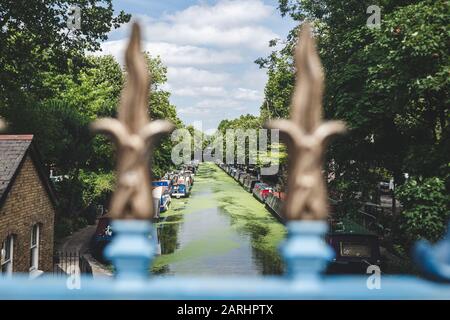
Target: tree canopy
[389, 84]
[53, 87]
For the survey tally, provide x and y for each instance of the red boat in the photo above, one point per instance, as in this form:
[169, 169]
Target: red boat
[261, 191]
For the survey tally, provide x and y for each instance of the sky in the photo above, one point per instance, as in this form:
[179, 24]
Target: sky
[209, 48]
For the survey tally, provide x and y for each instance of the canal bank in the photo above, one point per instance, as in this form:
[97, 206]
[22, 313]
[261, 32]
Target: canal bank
[220, 229]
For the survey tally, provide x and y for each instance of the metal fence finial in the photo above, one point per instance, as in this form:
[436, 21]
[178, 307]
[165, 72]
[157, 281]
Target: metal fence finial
[134, 135]
[306, 135]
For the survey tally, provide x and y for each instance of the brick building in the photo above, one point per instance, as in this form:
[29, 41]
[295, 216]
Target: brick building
[27, 208]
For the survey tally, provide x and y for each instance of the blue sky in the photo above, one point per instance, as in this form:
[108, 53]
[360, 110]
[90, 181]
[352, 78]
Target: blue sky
[209, 48]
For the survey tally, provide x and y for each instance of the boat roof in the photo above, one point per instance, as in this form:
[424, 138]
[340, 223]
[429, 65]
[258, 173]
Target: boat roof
[157, 192]
[347, 226]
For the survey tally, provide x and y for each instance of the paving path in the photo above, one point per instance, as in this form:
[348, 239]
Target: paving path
[78, 241]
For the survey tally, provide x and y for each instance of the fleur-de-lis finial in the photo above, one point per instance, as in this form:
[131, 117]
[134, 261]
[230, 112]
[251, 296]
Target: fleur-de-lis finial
[306, 135]
[134, 135]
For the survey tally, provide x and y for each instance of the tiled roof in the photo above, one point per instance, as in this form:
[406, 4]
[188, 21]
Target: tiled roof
[12, 150]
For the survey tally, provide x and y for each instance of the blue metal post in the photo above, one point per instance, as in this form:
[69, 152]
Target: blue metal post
[132, 249]
[305, 251]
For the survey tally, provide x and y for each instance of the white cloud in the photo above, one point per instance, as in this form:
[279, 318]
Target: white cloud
[220, 105]
[223, 14]
[193, 76]
[192, 111]
[199, 91]
[115, 48]
[173, 54]
[238, 94]
[248, 94]
[224, 24]
[209, 50]
[251, 36]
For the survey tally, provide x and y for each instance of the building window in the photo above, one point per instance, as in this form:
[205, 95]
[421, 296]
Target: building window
[7, 255]
[34, 248]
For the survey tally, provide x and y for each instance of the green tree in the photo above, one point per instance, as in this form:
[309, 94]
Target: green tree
[161, 108]
[426, 209]
[390, 85]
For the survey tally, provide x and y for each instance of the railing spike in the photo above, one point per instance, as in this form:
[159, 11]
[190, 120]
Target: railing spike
[134, 137]
[306, 135]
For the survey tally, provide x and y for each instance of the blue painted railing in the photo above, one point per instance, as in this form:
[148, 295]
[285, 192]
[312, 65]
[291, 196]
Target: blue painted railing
[305, 252]
[306, 256]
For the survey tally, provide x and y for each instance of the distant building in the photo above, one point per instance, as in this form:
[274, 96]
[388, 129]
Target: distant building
[27, 208]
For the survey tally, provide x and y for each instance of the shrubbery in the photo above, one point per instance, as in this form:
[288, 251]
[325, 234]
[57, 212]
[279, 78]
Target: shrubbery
[426, 209]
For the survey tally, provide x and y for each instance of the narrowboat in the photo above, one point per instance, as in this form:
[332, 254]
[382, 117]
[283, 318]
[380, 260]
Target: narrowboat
[237, 174]
[165, 184]
[161, 200]
[189, 175]
[261, 191]
[250, 183]
[181, 188]
[355, 247]
[191, 168]
[274, 203]
[242, 177]
[103, 236]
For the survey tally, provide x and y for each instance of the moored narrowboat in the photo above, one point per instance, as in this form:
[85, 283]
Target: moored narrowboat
[242, 177]
[181, 188]
[161, 199]
[261, 191]
[274, 202]
[355, 247]
[166, 184]
[250, 183]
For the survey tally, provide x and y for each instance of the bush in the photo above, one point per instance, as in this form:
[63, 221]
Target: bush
[425, 209]
[65, 226]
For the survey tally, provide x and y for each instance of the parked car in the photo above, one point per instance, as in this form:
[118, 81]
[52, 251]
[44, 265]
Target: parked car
[261, 191]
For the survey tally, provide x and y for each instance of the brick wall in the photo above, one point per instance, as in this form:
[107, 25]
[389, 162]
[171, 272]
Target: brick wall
[27, 204]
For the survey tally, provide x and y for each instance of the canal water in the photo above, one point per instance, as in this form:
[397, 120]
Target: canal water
[220, 229]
